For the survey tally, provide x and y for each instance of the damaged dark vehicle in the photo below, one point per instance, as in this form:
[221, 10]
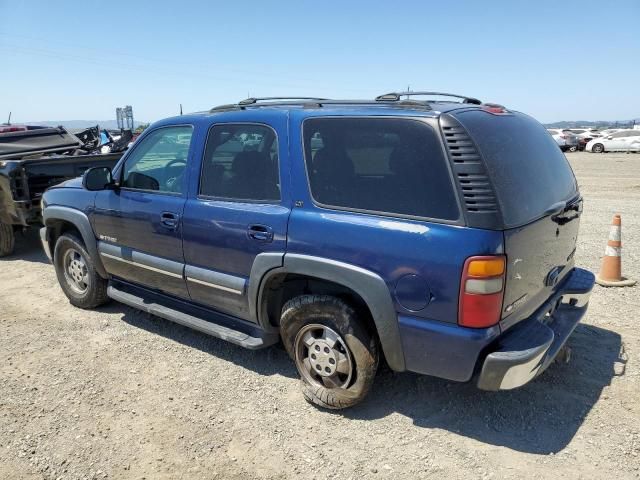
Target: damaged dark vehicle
[34, 158]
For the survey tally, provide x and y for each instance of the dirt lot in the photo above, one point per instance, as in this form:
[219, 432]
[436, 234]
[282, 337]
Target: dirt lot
[119, 394]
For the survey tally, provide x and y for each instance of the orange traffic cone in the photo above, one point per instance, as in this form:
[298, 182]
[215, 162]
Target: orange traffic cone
[611, 272]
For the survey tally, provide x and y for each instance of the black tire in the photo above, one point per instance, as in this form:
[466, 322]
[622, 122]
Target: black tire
[573, 148]
[7, 239]
[313, 311]
[95, 292]
[598, 148]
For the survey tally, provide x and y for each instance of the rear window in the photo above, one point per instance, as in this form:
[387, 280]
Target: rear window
[527, 168]
[382, 165]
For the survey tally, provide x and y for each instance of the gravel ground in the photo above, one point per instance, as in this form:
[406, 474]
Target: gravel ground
[115, 393]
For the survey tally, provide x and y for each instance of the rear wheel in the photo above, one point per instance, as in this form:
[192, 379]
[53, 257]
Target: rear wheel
[336, 357]
[573, 148]
[7, 239]
[77, 274]
[597, 148]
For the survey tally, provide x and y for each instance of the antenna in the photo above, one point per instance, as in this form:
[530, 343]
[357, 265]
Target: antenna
[180, 109]
[9, 121]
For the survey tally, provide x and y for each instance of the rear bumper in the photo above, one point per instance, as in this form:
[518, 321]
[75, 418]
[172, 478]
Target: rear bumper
[528, 348]
[503, 359]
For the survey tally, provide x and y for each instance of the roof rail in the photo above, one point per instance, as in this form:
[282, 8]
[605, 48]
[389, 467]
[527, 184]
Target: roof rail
[254, 100]
[396, 96]
[318, 103]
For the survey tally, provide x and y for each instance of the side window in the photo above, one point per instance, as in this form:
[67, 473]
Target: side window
[158, 162]
[241, 163]
[382, 165]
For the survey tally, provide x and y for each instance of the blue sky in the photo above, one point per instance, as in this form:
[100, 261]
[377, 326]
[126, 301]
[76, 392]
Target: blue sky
[556, 60]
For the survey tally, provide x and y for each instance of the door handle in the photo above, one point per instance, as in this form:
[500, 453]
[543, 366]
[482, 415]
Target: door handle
[169, 220]
[262, 233]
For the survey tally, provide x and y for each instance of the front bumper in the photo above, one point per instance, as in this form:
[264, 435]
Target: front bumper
[44, 238]
[528, 348]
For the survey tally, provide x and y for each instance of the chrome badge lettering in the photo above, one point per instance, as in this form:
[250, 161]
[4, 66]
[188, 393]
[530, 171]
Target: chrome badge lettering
[106, 238]
[510, 308]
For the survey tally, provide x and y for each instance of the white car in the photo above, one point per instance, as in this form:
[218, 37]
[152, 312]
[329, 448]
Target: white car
[620, 141]
[609, 131]
[565, 139]
[585, 132]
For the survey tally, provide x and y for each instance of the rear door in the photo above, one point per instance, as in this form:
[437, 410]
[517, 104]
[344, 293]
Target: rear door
[139, 225]
[539, 203]
[238, 208]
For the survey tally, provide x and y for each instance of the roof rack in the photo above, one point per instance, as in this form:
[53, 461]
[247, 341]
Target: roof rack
[391, 99]
[396, 96]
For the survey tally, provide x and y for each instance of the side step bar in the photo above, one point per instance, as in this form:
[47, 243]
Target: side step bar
[149, 304]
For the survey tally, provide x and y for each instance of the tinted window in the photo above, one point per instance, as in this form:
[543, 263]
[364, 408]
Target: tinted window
[382, 165]
[159, 161]
[527, 168]
[241, 163]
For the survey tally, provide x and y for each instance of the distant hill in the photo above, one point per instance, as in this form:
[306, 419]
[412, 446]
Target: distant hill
[75, 124]
[592, 123]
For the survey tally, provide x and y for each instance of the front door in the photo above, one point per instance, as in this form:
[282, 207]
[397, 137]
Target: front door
[139, 224]
[237, 210]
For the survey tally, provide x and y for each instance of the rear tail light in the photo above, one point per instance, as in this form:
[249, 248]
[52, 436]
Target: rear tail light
[481, 291]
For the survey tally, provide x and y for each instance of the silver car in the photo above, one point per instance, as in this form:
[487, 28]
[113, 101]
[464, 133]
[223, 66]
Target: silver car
[565, 138]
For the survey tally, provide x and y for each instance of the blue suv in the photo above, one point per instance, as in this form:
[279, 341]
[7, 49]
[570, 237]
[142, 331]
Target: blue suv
[436, 234]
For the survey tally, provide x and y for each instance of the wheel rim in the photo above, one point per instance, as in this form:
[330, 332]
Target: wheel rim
[322, 357]
[597, 148]
[76, 272]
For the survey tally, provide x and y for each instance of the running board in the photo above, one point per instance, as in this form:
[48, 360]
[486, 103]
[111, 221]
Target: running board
[149, 305]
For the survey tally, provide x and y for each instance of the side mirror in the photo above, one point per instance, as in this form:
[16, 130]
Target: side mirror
[97, 178]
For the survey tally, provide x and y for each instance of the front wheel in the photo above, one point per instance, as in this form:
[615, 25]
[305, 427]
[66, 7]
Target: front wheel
[7, 239]
[336, 356]
[573, 148]
[597, 148]
[77, 274]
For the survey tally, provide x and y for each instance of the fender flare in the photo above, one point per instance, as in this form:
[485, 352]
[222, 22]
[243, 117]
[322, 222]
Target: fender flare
[79, 220]
[368, 285]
